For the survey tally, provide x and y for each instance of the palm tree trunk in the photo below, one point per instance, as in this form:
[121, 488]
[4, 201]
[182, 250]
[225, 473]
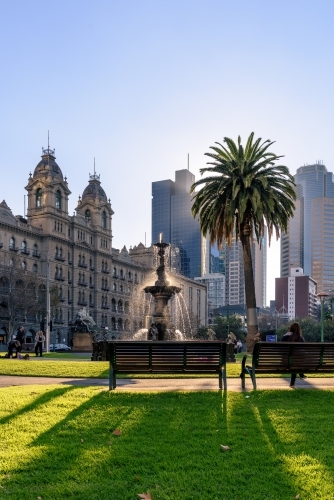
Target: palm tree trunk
[252, 327]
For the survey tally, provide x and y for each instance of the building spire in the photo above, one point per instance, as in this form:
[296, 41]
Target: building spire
[94, 177]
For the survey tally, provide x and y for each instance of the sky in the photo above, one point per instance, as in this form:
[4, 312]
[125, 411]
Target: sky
[140, 84]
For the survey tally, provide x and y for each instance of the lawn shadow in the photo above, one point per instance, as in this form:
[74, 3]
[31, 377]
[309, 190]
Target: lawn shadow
[38, 402]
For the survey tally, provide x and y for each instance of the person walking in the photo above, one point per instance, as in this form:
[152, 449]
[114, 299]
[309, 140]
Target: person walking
[20, 339]
[294, 335]
[39, 339]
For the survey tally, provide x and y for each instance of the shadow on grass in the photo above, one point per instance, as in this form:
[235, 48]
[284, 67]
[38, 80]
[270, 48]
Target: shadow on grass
[38, 402]
[170, 445]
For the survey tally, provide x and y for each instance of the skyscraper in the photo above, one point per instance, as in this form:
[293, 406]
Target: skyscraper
[309, 241]
[171, 215]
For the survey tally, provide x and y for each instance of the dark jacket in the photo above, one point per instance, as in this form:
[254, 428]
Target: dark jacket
[20, 336]
[286, 338]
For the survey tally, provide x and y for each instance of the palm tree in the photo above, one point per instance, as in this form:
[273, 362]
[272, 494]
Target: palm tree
[244, 193]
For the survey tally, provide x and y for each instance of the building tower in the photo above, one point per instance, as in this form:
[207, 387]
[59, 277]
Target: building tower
[171, 215]
[308, 243]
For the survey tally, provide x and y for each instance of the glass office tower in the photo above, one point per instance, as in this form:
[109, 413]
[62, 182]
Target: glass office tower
[171, 215]
[309, 240]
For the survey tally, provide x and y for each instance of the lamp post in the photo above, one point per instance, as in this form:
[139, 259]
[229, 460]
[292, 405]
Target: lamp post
[322, 296]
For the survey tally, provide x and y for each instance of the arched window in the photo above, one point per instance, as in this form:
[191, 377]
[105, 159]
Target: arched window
[38, 198]
[121, 273]
[114, 287]
[87, 215]
[24, 265]
[12, 244]
[56, 252]
[58, 199]
[56, 272]
[35, 250]
[24, 247]
[104, 219]
[35, 268]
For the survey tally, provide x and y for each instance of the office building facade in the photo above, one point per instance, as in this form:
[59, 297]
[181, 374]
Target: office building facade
[296, 295]
[309, 241]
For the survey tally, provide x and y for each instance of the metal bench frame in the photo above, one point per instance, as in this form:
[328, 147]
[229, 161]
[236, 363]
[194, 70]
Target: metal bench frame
[192, 357]
[289, 357]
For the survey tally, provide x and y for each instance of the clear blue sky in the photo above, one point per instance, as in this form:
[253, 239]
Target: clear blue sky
[139, 84]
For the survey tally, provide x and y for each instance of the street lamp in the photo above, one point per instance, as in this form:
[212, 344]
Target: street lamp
[322, 296]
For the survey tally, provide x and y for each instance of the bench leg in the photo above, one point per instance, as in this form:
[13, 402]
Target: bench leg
[243, 381]
[112, 378]
[222, 379]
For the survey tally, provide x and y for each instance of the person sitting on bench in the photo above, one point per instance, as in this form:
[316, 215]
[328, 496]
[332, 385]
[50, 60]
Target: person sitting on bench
[294, 335]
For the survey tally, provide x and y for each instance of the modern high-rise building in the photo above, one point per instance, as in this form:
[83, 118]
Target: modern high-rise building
[171, 215]
[295, 295]
[309, 241]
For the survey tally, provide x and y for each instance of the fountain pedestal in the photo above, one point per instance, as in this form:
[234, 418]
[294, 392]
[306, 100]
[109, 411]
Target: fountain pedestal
[162, 291]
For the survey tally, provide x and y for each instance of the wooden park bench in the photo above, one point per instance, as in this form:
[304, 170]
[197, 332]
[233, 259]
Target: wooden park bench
[187, 357]
[289, 357]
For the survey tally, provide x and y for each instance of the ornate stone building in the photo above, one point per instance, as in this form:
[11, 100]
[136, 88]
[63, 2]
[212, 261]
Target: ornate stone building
[87, 271]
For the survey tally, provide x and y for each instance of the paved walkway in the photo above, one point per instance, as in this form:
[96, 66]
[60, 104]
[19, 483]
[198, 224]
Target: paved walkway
[174, 384]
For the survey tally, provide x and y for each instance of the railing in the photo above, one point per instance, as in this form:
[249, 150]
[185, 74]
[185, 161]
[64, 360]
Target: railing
[70, 281]
[62, 299]
[105, 307]
[59, 278]
[81, 264]
[82, 283]
[25, 251]
[60, 257]
[105, 271]
[92, 305]
[36, 254]
[106, 288]
[13, 249]
[91, 268]
[122, 278]
[70, 262]
[91, 286]
[115, 275]
[69, 301]
[82, 302]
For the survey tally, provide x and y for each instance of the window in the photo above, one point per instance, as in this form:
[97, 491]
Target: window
[35, 268]
[35, 250]
[24, 246]
[87, 215]
[58, 199]
[104, 219]
[24, 265]
[38, 198]
[12, 244]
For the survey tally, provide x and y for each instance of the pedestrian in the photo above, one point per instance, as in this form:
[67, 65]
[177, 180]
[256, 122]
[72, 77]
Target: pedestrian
[13, 344]
[20, 338]
[39, 339]
[239, 344]
[294, 335]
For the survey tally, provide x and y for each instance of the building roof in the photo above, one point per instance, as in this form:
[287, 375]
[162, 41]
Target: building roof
[94, 189]
[48, 164]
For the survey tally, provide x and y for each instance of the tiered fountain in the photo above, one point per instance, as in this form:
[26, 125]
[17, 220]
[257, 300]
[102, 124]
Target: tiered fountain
[162, 291]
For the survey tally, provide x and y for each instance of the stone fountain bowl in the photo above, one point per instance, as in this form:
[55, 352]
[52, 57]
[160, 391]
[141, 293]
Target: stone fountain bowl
[162, 289]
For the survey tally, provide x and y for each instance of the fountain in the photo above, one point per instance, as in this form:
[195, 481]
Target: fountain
[162, 291]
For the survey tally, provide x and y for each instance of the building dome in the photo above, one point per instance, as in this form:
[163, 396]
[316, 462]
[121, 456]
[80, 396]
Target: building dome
[94, 189]
[48, 164]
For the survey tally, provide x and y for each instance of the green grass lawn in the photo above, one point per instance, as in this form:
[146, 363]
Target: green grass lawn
[97, 369]
[58, 443]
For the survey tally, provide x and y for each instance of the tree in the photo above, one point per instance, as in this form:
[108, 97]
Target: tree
[223, 326]
[19, 294]
[244, 193]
